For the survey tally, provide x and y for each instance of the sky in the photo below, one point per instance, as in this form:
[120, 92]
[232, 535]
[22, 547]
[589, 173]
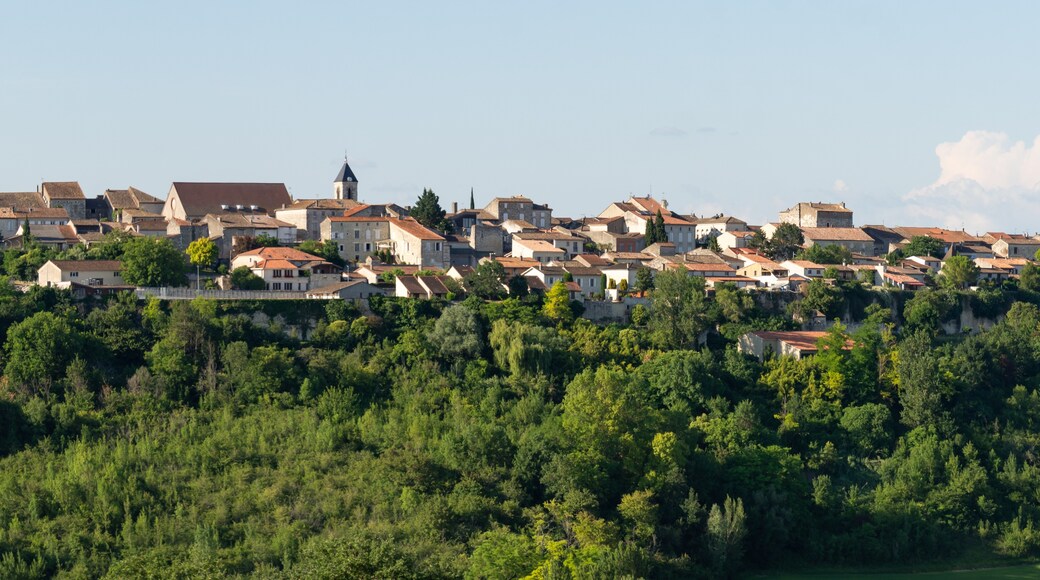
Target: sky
[913, 113]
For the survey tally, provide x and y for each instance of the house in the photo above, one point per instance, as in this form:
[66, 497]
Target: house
[427, 287]
[65, 273]
[288, 269]
[804, 268]
[818, 215]
[227, 228]
[57, 237]
[589, 280]
[308, 214]
[901, 277]
[571, 244]
[67, 195]
[374, 272]
[734, 239]
[116, 201]
[929, 262]
[740, 282]
[706, 270]
[712, 227]
[414, 243]
[886, 240]
[519, 208]
[192, 201]
[356, 237]
[1013, 266]
[795, 344]
[345, 187]
[349, 290]
[11, 220]
[1016, 247]
[637, 211]
[853, 239]
[539, 250]
[463, 220]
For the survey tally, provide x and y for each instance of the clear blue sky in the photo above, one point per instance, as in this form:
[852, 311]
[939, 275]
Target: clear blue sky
[742, 107]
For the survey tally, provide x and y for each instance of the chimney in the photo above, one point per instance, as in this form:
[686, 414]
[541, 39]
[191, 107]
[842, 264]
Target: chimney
[454, 207]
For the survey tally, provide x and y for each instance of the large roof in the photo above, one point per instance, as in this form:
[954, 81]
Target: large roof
[200, 199]
[89, 265]
[324, 203]
[21, 200]
[63, 190]
[837, 234]
[415, 228]
[279, 253]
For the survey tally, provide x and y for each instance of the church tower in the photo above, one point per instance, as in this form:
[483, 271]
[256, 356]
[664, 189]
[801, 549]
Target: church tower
[345, 186]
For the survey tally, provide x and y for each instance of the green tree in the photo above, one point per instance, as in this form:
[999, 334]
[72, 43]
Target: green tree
[1030, 278]
[677, 309]
[325, 249]
[38, 351]
[644, 279]
[472, 201]
[201, 252]
[959, 272]
[487, 280]
[726, 531]
[787, 240]
[265, 241]
[150, 261]
[921, 246]
[826, 254]
[428, 211]
[557, 305]
[242, 278]
[922, 390]
[661, 232]
[458, 335]
[713, 244]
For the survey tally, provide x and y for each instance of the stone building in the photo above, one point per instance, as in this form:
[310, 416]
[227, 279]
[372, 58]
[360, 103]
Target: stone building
[818, 215]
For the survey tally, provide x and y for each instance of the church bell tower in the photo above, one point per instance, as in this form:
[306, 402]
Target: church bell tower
[345, 186]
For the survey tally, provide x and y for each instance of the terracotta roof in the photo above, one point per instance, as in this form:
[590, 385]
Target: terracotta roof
[282, 254]
[323, 203]
[545, 236]
[804, 340]
[200, 199]
[583, 271]
[943, 235]
[21, 200]
[435, 284]
[592, 260]
[151, 225]
[702, 267]
[837, 234]
[357, 218]
[411, 284]
[538, 246]
[416, 229]
[63, 190]
[806, 264]
[535, 283]
[89, 265]
[572, 286]
[275, 263]
[334, 288]
[903, 279]
[44, 212]
[722, 219]
[245, 220]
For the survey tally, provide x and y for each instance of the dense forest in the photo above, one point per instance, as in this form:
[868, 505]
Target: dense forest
[509, 438]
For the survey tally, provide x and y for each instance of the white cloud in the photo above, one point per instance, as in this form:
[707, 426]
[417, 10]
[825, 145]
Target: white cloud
[840, 186]
[987, 182]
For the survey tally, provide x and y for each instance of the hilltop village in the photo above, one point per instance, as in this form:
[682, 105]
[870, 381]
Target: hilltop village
[256, 238]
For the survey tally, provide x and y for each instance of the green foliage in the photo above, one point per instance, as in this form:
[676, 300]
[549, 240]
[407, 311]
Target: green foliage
[557, 305]
[677, 309]
[242, 278]
[202, 252]
[787, 240]
[655, 231]
[826, 254]
[918, 246]
[201, 440]
[959, 272]
[644, 279]
[151, 261]
[325, 249]
[428, 211]
[487, 279]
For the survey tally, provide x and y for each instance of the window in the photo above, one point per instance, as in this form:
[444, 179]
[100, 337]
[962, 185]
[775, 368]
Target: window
[73, 274]
[357, 234]
[368, 247]
[357, 247]
[276, 286]
[277, 274]
[438, 246]
[341, 248]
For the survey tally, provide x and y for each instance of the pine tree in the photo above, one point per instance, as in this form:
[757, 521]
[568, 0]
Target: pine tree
[662, 235]
[472, 203]
[428, 211]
